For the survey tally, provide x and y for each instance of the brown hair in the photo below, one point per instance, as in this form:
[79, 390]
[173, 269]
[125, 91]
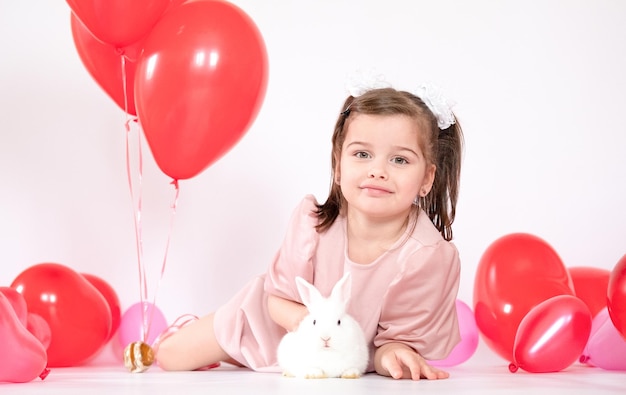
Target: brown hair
[441, 147]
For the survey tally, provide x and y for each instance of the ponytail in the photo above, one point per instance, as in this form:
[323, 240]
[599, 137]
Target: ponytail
[440, 203]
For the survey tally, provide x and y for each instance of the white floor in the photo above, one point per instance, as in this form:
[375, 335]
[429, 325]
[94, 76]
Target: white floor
[482, 374]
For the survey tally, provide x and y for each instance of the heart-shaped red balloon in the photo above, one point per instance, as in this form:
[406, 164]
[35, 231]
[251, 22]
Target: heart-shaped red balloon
[118, 22]
[515, 273]
[22, 356]
[78, 315]
[616, 296]
[590, 285]
[111, 297]
[104, 64]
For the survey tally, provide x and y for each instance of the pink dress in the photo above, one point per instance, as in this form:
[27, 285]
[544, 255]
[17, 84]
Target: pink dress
[407, 295]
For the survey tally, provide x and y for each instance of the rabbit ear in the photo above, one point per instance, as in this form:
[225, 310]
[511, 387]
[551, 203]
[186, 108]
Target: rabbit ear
[308, 293]
[342, 290]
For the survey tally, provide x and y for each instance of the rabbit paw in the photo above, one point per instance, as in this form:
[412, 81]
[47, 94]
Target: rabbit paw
[352, 373]
[314, 373]
[311, 373]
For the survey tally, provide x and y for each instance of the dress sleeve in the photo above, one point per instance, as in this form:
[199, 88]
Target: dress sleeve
[295, 256]
[420, 305]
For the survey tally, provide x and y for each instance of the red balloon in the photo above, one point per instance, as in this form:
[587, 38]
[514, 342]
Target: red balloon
[199, 84]
[590, 285]
[104, 64]
[22, 356]
[552, 335]
[78, 315]
[515, 273]
[118, 22]
[616, 296]
[112, 299]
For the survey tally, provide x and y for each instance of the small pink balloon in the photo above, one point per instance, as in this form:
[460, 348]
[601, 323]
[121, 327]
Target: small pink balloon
[596, 323]
[469, 338]
[606, 346]
[138, 319]
[39, 327]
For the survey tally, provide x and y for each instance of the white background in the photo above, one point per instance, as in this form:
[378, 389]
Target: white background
[540, 88]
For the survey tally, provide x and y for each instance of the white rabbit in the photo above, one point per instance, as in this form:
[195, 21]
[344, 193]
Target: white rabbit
[328, 341]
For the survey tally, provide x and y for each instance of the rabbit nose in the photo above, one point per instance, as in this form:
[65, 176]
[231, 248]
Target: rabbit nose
[326, 340]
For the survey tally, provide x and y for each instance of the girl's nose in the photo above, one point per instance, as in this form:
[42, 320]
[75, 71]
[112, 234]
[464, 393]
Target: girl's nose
[377, 172]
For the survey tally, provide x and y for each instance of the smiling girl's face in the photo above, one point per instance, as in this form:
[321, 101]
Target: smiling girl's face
[382, 168]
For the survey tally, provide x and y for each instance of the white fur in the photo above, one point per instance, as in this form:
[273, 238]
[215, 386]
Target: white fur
[304, 353]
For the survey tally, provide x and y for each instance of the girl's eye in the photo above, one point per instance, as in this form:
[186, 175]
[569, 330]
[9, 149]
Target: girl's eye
[361, 154]
[400, 160]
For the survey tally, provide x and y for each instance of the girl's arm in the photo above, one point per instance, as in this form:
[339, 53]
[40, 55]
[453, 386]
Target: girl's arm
[286, 313]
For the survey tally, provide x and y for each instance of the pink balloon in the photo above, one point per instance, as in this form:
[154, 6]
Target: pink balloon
[33, 322]
[22, 356]
[17, 301]
[552, 335]
[39, 327]
[469, 338]
[606, 347]
[596, 323]
[132, 325]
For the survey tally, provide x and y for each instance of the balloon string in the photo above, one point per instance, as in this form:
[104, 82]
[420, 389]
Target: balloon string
[143, 283]
[143, 290]
[180, 322]
[167, 248]
[137, 219]
[170, 330]
[123, 61]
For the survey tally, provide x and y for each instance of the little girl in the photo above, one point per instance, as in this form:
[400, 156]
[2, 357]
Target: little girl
[395, 176]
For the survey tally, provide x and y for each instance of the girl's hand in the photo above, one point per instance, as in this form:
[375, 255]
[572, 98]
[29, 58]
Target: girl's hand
[401, 361]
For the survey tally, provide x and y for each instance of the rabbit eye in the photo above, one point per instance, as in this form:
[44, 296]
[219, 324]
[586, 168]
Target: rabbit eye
[314, 321]
[338, 322]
